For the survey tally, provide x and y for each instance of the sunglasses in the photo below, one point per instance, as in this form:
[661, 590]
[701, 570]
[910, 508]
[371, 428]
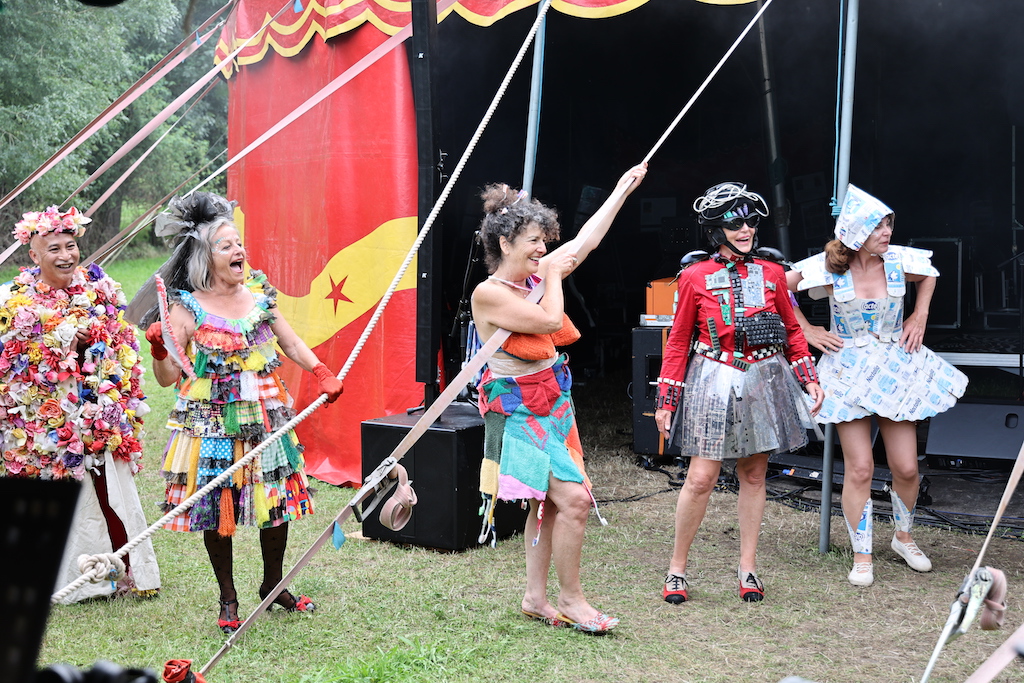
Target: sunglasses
[737, 223]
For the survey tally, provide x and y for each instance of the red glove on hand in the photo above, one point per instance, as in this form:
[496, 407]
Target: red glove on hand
[329, 384]
[155, 337]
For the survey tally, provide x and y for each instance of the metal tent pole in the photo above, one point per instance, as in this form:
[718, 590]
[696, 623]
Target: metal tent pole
[533, 124]
[842, 180]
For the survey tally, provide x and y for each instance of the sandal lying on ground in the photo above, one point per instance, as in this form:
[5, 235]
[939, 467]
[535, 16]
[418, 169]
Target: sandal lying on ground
[597, 626]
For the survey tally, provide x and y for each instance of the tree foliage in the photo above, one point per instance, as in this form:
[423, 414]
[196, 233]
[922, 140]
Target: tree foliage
[61, 64]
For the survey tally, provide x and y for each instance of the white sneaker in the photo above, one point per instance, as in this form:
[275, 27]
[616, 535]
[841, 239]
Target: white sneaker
[862, 574]
[909, 551]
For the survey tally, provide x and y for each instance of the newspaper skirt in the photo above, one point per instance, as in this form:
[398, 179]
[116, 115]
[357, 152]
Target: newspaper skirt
[883, 379]
[727, 413]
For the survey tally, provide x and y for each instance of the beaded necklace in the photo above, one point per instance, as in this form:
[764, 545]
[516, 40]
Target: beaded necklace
[509, 283]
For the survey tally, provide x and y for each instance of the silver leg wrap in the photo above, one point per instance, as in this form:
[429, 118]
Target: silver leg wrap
[861, 538]
[903, 517]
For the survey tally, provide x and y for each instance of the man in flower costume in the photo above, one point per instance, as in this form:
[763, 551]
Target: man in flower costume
[71, 401]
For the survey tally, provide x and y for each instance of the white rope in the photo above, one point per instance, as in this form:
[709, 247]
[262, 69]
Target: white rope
[707, 80]
[226, 474]
[447, 188]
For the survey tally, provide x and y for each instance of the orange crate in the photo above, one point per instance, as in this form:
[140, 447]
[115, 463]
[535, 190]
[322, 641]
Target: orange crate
[661, 296]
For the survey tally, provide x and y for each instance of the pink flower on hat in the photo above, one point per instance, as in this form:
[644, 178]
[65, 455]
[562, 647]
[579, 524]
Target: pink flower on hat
[50, 221]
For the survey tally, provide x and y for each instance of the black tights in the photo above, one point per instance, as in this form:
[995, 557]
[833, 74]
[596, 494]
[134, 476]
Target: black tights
[273, 542]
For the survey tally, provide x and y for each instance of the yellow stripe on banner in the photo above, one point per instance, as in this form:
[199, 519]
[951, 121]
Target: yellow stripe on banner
[564, 6]
[352, 283]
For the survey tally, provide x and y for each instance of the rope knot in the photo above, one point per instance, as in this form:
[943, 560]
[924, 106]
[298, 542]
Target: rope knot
[102, 567]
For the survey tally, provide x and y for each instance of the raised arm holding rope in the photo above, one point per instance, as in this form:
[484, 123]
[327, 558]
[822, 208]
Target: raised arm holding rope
[527, 387]
[227, 323]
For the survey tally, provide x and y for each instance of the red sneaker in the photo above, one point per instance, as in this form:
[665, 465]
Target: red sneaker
[751, 588]
[675, 589]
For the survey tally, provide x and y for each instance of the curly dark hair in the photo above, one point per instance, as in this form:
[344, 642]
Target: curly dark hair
[507, 213]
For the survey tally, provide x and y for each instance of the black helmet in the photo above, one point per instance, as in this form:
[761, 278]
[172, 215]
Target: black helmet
[724, 203]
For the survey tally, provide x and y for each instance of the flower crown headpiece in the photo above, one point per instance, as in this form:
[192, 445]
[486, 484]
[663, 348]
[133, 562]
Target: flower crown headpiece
[51, 221]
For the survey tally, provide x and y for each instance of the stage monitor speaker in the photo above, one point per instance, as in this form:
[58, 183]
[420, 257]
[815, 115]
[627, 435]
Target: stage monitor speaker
[972, 432]
[444, 467]
[648, 347]
[35, 518]
[947, 307]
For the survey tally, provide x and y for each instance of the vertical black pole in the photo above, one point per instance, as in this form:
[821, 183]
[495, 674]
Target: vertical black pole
[428, 281]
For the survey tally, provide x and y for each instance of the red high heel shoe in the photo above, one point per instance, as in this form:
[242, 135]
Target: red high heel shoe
[228, 626]
[290, 602]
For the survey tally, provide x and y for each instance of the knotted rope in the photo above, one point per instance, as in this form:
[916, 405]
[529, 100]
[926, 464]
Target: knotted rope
[378, 312]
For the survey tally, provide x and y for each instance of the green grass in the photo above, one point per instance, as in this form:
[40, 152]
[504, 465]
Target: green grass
[390, 613]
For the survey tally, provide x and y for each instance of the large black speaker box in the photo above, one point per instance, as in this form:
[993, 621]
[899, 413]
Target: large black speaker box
[35, 518]
[648, 347]
[444, 467]
[971, 432]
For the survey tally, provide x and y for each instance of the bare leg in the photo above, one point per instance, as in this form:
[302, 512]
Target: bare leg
[900, 440]
[751, 472]
[569, 503]
[701, 477]
[538, 561]
[858, 468]
[901, 451]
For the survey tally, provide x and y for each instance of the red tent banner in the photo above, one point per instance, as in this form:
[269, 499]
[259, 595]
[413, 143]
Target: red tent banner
[328, 210]
[328, 18]
[327, 206]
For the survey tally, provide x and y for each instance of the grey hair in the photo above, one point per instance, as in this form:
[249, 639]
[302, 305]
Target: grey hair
[200, 262]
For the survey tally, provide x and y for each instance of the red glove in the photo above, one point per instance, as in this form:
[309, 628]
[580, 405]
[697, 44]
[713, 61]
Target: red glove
[328, 383]
[155, 337]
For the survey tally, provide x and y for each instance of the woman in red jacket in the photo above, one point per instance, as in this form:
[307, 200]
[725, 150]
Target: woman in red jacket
[737, 348]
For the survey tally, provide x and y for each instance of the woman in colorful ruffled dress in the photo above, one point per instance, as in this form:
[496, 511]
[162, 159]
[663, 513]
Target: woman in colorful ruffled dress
[874, 363]
[71, 401]
[733, 378]
[226, 324]
[532, 448]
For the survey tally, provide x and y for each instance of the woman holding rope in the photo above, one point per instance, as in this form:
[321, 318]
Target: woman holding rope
[739, 347]
[875, 364]
[227, 325]
[525, 390]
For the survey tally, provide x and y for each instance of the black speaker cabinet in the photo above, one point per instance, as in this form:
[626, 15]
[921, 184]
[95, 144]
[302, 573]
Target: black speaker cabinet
[948, 304]
[972, 432]
[444, 467]
[35, 518]
[648, 347]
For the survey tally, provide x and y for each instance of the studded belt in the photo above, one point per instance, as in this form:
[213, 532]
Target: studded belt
[741, 362]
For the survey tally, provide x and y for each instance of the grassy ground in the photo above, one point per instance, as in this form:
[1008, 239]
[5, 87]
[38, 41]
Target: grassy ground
[387, 613]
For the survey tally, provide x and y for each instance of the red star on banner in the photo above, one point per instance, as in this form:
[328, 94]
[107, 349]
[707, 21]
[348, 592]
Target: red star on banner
[336, 294]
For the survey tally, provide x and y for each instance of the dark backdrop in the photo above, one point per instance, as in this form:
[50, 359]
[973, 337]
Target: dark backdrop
[937, 96]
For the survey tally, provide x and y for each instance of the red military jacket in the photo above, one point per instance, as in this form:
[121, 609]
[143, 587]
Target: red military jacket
[708, 308]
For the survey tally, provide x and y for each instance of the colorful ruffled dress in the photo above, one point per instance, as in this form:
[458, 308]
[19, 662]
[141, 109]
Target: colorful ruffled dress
[234, 403]
[530, 431]
[872, 374]
[64, 420]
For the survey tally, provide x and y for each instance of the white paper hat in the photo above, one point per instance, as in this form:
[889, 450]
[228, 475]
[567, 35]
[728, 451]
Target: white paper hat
[860, 215]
